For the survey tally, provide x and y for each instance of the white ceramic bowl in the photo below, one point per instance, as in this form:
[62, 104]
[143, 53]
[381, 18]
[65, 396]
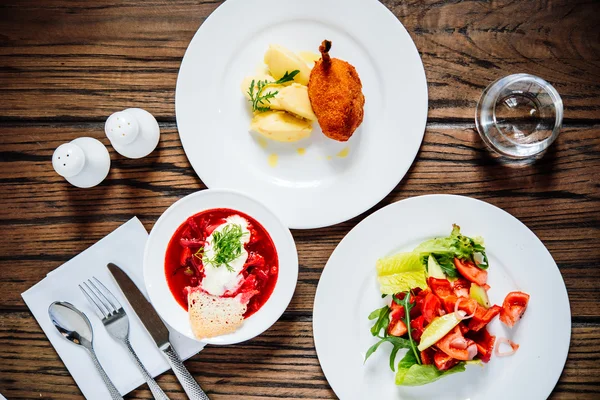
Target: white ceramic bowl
[154, 257]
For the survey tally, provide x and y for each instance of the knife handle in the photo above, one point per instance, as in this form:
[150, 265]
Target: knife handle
[189, 384]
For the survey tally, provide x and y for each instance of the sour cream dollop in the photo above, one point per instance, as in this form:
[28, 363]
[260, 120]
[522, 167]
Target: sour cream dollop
[219, 279]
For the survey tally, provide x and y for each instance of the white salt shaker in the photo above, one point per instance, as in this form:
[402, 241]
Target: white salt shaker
[133, 132]
[84, 162]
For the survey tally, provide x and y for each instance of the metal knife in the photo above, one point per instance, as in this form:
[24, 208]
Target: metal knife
[157, 329]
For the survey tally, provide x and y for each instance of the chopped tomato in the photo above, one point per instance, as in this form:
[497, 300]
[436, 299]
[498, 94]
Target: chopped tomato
[456, 346]
[487, 287]
[467, 305]
[417, 327]
[513, 307]
[417, 310]
[443, 361]
[441, 287]
[449, 303]
[483, 317]
[431, 307]
[397, 328]
[463, 327]
[396, 312]
[461, 287]
[427, 356]
[485, 343]
[470, 271]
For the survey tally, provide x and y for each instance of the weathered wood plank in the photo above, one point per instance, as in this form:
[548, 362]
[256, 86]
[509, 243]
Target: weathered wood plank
[77, 61]
[281, 363]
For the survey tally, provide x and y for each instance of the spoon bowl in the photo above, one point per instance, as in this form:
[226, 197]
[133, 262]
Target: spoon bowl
[74, 326]
[71, 323]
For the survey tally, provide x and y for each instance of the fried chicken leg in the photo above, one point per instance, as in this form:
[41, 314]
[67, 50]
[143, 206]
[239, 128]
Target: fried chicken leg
[335, 94]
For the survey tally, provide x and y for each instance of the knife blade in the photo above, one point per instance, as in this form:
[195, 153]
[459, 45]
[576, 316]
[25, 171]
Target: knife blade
[144, 310]
[157, 330]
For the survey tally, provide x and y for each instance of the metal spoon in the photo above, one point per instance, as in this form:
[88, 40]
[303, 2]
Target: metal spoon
[75, 327]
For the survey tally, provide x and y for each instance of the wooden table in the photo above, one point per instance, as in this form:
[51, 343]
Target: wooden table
[66, 65]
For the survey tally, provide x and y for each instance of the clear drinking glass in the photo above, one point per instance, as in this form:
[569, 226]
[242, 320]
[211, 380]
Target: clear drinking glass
[519, 116]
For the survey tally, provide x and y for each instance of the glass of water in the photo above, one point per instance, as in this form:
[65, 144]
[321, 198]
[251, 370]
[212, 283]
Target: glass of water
[519, 116]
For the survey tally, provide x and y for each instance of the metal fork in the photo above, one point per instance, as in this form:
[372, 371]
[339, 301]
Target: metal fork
[116, 322]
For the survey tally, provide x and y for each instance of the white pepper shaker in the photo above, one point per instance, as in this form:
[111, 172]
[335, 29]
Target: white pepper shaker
[133, 132]
[83, 162]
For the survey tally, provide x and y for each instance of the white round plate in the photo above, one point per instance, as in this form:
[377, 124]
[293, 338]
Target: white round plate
[318, 188]
[348, 292]
[156, 247]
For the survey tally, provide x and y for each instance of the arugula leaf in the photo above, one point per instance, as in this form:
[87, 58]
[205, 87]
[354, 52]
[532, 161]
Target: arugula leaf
[383, 320]
[397, 342]
[405, 302]
[287, 77]
[446, 262]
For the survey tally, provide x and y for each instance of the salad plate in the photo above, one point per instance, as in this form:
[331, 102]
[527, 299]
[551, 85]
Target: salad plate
[314, 181]
[349, 291]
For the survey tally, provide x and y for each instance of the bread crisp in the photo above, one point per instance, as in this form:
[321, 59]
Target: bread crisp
[212, 316]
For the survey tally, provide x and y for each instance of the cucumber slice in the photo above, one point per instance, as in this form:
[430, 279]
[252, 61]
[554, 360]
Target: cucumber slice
[433, 268]
[480, 295]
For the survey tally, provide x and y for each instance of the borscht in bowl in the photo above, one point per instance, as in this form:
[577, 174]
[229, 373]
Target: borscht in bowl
[226, 254]
[220, 267]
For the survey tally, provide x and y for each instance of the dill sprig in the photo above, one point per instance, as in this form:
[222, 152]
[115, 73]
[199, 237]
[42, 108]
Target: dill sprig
[227, 246]
[259, 101]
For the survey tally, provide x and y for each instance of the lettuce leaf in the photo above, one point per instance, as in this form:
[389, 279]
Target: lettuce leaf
[399, 262]
[402, 282]
[456, 245]
[401, 272]
[412, 374]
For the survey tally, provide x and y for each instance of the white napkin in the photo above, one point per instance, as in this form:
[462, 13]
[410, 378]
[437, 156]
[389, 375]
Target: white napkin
[125, 248]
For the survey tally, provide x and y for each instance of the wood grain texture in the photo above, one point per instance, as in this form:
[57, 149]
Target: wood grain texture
[81, 61]
[66, 65]
[280, 364]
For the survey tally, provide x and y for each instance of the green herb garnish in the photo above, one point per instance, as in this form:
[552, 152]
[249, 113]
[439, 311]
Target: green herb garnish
[227, 246]
[260, 102]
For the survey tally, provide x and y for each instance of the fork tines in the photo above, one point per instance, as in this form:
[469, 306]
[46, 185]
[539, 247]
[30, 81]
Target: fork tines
[98, 295]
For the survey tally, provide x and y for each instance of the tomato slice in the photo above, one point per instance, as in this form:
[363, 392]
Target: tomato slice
[431, 307]
[396, 312]
[461, 287]
[427, 356]
[397, 328]
[417, 327]
[483, 317]
[443, 361]
[485, 343]
[513, 307]
[470, 271]
[467, 305]
[456, 346]
[441, 287]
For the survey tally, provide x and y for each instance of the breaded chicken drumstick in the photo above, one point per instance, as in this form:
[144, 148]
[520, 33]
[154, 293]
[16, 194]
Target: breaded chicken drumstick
[335, 94]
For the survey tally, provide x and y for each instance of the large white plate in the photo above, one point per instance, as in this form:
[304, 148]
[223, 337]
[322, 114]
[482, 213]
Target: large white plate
[156, 247]
[348, 292]
[311, 190]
